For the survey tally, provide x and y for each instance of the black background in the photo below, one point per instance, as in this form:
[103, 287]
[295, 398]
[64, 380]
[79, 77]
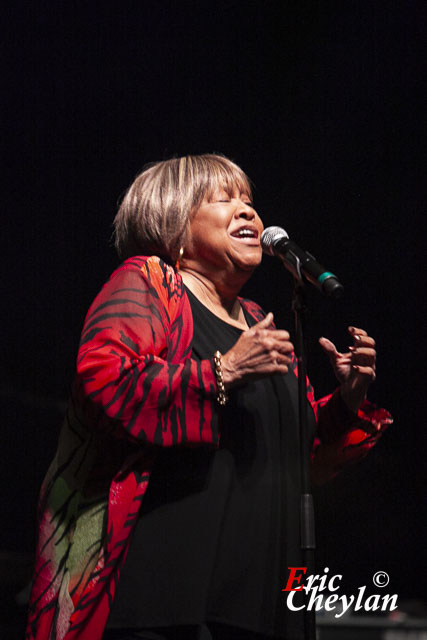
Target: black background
[323, 105]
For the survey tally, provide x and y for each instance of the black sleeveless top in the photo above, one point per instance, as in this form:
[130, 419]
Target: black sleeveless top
[220, 527]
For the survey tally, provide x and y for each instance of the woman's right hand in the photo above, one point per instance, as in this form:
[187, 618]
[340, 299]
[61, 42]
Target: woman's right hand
[259, 352]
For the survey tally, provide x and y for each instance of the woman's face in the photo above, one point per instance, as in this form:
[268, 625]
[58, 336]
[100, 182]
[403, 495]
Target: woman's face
[225, 232]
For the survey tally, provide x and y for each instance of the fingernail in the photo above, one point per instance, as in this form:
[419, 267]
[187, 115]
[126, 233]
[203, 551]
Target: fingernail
[352, 329]
[355, 367]
[357, 337]
[352, 349]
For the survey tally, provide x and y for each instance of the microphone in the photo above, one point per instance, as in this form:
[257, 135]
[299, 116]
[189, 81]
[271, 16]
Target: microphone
[275, 242]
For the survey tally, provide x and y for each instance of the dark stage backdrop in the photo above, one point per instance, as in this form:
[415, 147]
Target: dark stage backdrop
[323, 104]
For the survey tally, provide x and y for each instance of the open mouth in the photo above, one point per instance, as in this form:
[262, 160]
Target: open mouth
[247, 235]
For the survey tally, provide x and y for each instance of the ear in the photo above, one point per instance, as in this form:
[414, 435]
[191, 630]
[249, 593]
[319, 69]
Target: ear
[186, 243]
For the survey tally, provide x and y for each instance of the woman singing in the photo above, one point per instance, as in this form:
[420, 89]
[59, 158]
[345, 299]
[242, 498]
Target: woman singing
[171, 509]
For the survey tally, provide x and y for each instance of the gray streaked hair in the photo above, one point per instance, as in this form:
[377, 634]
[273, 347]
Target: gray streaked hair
[154, 214]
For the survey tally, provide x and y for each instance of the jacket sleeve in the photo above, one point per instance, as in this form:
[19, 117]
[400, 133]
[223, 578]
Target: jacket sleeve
[342, 436]
[135, 375]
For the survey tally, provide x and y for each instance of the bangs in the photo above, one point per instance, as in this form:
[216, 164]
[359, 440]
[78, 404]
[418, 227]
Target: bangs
[209, 173]
[223, 174]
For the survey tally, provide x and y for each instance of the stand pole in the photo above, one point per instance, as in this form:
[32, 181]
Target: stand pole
[308, 540]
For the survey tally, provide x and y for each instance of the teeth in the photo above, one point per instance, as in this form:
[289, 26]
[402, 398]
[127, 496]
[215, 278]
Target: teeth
[246, 232]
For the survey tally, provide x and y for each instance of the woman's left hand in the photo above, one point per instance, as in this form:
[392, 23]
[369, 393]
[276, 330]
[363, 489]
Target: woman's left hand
[355, 369]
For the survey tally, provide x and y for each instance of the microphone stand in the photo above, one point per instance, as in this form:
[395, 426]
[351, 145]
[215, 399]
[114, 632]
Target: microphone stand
[308, 541]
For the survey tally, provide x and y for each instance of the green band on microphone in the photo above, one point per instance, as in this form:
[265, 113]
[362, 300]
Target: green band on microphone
[326, 274]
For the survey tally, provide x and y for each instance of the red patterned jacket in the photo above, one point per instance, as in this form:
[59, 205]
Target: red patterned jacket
[137, 388]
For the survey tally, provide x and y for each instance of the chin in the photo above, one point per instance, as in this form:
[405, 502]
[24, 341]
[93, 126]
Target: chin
[249, 266]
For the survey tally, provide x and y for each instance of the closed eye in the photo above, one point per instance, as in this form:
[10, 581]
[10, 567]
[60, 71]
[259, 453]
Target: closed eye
[248, 203]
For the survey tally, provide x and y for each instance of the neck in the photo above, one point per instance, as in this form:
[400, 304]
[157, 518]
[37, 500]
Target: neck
[215, 293]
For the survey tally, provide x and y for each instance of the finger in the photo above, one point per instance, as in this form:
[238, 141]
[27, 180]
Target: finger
[364, 341]
[364, 357]
[361, 338]
[363, 351]
[281, 368]
[329, 348]
[265, 322]
[280, 364]
[327, 344]
[367, 372]
[280, 358]
[355, 331]
[268, 341]
[283, 358]
[280, 334]
[277, 363]
[273, 334]
[284, 345]
[286, 348]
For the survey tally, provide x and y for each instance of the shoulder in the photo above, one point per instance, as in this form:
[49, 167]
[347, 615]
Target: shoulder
[152, 268]
[155, 276]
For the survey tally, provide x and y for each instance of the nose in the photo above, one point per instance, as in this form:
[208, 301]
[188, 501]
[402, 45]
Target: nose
[244, 210]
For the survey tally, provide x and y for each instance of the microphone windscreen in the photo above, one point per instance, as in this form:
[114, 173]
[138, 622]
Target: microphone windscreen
[269, 236]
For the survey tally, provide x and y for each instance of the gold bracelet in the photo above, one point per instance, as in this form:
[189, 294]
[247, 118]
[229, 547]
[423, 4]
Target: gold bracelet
[221, 397]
